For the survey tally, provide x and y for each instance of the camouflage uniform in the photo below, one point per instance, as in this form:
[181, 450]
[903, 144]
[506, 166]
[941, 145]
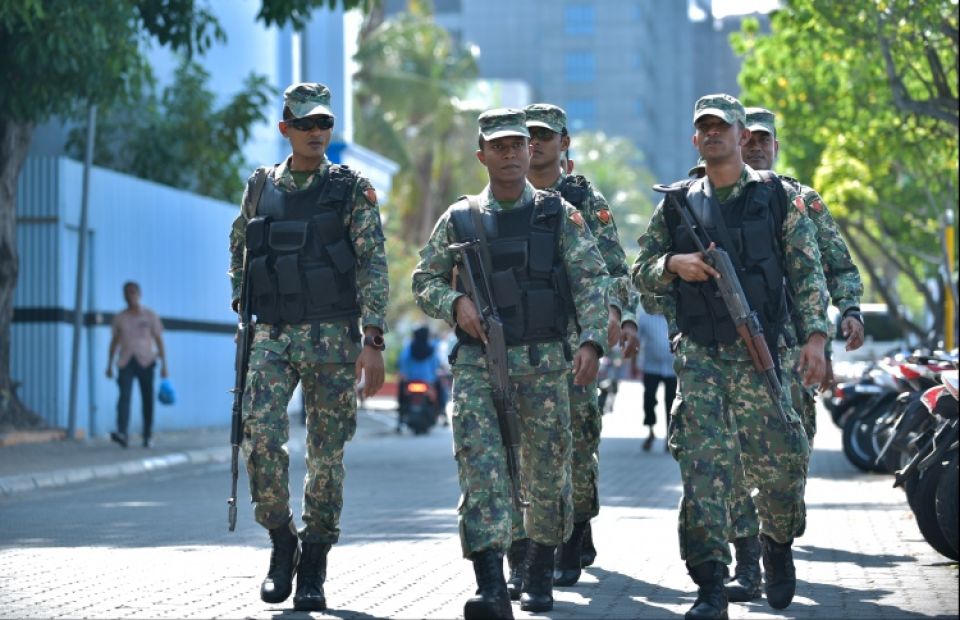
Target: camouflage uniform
[845, 287]
[722, 420]
[321, 356]
[541, 395]
[585, 416]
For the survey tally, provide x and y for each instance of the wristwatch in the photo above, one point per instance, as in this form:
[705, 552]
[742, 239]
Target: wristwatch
[854, 312]
[375, 342]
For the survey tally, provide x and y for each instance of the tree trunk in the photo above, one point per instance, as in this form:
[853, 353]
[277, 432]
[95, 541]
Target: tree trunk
[14, 142]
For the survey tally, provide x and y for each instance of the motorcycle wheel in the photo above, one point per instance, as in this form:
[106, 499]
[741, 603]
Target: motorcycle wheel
[857, 442]
[890, 462]
[948, 504]
[923, 500]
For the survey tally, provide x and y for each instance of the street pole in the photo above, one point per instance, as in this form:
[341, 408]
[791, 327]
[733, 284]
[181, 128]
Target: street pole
[950, 299]
[81, 266]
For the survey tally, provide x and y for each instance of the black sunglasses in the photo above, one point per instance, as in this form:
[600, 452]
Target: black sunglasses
[541, 133]
[311, 122]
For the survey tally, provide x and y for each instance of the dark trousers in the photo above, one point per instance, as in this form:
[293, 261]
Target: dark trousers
[650, 384]
[144, 376]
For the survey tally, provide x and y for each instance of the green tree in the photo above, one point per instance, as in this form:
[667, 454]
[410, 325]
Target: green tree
[615, 166]
[867, 98]
[161, 138]
[409, 93]
[57, 57]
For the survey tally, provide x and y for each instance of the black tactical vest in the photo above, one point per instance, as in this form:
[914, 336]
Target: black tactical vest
[529, 279]
[302, 265]
[754, 223]
[575, 188]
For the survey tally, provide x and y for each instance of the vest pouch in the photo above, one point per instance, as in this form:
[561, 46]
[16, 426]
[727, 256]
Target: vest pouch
[694, 317]
[322, 287]
[341, 255]
[506, 289]
[255, 237]
[263, 292]
[290, 288]
[542, 245]
[756, 235]
[509, 255]
[541, 312]
[287, 236]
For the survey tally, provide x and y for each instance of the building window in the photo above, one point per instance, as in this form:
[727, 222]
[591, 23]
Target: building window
[581, 114]
[578, 19]
[580, 66]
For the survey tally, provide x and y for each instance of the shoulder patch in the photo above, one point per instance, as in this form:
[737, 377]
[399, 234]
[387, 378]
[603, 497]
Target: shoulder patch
[371, 195]
[604, 216]
[816, 205]
[577, 219]
[800, 205]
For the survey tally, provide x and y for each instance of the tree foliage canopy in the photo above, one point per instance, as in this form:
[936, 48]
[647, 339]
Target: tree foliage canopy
[866, 97]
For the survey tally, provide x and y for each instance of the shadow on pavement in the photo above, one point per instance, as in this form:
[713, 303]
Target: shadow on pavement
[612, 588]
[823, 554]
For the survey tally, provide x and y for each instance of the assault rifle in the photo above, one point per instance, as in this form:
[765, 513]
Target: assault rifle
[497, 367]
[746, 320]
[244, 340]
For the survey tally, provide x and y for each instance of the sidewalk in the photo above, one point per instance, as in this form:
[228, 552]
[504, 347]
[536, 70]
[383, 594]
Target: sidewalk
[29, 466]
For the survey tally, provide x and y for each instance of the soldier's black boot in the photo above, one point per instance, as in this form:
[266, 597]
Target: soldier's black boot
[537, 593]
[278, 583]
[779, 574]
[516, 556]
[746, 583]
[311, 573]
[711, 603]
[492, 600]
[588, 553]
[567, 571]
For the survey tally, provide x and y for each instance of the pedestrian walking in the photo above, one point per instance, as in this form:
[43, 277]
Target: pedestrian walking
[309, 234]
[137, 333]
[657, 367]
[546, 270]
[724, 419]
[845, 287]
[549, 143]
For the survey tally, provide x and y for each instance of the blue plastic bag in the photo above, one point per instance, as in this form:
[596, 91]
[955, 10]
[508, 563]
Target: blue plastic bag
[165, 394]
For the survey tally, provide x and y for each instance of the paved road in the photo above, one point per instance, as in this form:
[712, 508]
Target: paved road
[156, 545]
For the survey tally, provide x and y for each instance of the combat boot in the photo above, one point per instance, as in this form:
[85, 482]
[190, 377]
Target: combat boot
[711, 603]
[516, 556]
[278, 583]
[746, 584]
[779, 574]
[567, 571]
[311, 574]
[492, 600]
[537, 592]
[588, 553]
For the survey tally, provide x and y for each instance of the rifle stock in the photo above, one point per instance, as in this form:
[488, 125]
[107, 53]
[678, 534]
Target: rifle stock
[744, 318]
[498, 367]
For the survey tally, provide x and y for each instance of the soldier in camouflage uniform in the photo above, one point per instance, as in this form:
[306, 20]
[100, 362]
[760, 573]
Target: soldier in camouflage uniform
[549, 139]
[845, 286]
[316, 270]
[723, 419]
[535, 306]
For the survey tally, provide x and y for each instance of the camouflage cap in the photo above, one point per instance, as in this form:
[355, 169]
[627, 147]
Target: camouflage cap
[546, 115]
[307, 99]
[699, 169]
[762, 119]
[722, 105]
[502, 122]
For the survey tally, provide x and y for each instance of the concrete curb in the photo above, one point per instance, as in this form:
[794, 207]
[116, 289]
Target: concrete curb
[10, 485]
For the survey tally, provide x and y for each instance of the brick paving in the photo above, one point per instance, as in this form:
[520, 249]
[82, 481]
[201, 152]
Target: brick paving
[152, 542]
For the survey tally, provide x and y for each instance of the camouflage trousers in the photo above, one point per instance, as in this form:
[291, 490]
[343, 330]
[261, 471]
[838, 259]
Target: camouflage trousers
[585, 426]
[331, 410]
[486, 506]
[743, 512]
[723, 428]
